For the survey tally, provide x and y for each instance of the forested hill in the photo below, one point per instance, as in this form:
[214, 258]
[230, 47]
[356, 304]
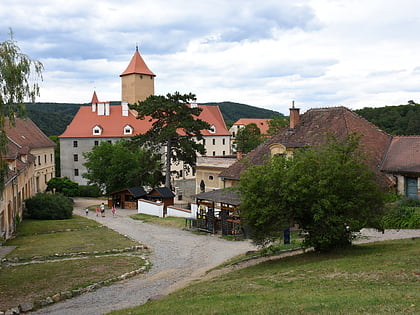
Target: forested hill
[53, 118]
[233, 111]
[402, 120]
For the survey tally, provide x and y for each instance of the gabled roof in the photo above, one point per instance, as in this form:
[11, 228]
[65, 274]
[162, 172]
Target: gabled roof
[226, 195]
[26, 133]
[311, 129]
[262, 123]
[113, 124]
[163, 192]
[94, 98]
[403, 156]
[137, 66]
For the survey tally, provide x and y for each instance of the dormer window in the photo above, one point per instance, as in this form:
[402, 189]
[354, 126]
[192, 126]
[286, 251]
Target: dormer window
[97, 130]
[212, 129]
[128, 130]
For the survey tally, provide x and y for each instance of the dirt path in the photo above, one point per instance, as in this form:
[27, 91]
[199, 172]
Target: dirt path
[178, 257]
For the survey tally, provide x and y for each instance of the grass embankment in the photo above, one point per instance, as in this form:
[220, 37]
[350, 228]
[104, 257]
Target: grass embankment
[49, 243]
[375, 278]
[174, 222]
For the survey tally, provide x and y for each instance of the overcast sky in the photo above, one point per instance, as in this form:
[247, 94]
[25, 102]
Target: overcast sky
[265, 53]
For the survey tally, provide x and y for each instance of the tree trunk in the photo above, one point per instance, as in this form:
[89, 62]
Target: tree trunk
[168, 164]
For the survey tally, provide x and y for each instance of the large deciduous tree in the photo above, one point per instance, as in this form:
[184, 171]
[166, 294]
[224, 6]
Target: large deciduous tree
[175, 126]
[18, 83]
[329, 191]
[117, 166]
[248, 138]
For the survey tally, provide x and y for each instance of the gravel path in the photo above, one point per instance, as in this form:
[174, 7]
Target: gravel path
[177, 257]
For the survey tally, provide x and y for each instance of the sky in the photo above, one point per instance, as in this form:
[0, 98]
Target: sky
[264, 53]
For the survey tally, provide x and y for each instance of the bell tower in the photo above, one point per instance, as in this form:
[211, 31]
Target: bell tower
[137, 81]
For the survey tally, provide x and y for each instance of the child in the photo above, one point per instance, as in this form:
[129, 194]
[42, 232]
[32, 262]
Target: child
[113, 211]
[97, 211]
[87, 211]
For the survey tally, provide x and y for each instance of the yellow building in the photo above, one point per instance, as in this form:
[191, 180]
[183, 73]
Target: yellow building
[30, 165]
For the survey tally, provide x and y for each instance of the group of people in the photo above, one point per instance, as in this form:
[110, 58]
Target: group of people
[101, 209]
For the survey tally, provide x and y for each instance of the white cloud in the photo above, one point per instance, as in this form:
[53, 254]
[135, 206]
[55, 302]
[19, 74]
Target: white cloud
[264, 53]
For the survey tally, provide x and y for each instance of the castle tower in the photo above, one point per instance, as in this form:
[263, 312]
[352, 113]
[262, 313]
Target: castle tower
[137, 81]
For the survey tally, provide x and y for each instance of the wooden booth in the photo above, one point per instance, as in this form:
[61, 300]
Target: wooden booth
[126, 198]
[161, 194]
[218, 211]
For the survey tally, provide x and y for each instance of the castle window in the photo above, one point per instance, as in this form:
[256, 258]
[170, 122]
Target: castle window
[76, 172]
[214, 141]
[96, 142]
[212, 129]
[75, 157]
[75, 144]
[97, 130]
[210, 177]
[128, 130]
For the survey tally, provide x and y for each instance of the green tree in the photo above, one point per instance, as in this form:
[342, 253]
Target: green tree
[44, 206]
[329, 191]
[16, 69]
[117, 166]
[248, 138]
[63, 185]
[176, 127]
[276, 123]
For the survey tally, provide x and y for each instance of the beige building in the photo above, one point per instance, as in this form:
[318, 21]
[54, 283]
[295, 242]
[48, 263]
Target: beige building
[208, 169]
[30, 165]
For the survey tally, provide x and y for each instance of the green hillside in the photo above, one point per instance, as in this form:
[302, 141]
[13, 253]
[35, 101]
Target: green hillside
[233, 111]
[402, 120]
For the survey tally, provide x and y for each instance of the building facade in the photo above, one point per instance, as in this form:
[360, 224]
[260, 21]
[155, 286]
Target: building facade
[30, 165]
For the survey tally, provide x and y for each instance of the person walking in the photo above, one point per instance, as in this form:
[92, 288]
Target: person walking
[113, 210]
[97, 211]
[102, 209]
[87, 211]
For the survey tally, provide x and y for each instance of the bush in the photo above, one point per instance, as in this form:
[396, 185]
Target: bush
[63, 185]
[89, 191]
[49, 207]
[403, 215]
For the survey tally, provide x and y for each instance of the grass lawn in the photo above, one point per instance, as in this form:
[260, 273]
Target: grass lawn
[167, 221]
[375, 278]
[84, 235]
[30, 282]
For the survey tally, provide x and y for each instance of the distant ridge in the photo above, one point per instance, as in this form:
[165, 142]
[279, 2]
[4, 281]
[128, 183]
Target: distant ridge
[53, 118]
[233, 111]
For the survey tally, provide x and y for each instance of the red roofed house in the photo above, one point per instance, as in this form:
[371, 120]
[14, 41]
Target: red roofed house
[30, 162]
[262, 124]
[110, 121]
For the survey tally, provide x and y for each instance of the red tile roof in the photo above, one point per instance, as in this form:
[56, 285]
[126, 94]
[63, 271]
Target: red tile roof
[403, 156]
[113, 124]
[137, 65]
[94, 98]
[26, 133]
[311, 130]
[262, 123]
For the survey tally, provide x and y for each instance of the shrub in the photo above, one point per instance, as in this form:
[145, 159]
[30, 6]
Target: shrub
[49, 207]
[63, 185]
[403, 215]
[89, 191]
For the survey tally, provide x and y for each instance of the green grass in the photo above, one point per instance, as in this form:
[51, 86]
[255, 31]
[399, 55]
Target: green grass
[376, 278]
[174, 222]
[88, 239]
[29, 282]
[26, 283]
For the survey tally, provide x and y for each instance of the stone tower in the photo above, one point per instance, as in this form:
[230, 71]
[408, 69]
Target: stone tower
[137, 81]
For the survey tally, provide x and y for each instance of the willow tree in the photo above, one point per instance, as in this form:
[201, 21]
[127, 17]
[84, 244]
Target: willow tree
[175, 126]
[18, 83]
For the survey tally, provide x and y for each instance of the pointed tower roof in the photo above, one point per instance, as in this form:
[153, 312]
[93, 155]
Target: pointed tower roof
[94, 98]
[137, 65]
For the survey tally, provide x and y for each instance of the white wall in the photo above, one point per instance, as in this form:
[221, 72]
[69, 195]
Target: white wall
[178, 212]
[149, 207]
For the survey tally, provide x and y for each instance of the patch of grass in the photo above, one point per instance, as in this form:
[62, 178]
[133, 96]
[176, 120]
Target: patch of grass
[26, 283]
[174, 222]
[47, 226]
[33, 281]
[89, 239]
[375, 278]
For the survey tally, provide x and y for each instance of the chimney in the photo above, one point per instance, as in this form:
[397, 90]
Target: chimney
[294, 116]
